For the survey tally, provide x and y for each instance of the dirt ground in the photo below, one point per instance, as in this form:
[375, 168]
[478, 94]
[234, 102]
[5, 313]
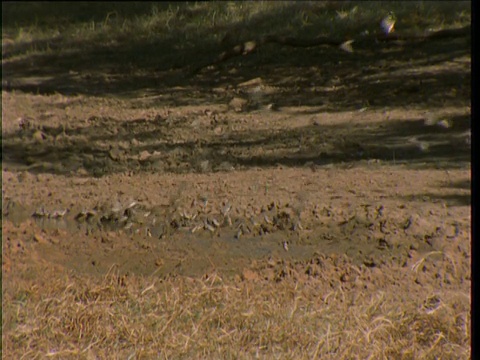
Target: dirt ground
[254, 174]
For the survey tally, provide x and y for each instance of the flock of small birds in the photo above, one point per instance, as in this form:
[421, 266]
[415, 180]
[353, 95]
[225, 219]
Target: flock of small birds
[160, 221]
[387, 25]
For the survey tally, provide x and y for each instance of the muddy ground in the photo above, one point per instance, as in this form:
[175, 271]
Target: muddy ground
[353, 156]
[251, 170]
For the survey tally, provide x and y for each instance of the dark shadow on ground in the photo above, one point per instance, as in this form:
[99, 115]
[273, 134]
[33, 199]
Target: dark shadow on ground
[109, 146]
[461, 185]
[428, 74]
[449, 199]
[375, 75]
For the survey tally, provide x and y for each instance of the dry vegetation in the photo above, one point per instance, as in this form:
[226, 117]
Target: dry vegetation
[120, 317]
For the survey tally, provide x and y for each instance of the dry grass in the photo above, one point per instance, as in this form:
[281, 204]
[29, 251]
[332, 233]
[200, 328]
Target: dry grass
[115, 317]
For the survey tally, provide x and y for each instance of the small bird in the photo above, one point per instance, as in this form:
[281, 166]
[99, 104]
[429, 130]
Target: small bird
[388, 23]
[347, 46]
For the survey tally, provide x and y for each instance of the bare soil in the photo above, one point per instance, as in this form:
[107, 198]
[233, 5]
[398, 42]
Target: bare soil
[284, 174]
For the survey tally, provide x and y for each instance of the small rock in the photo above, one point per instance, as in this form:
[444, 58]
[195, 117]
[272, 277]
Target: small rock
[238, 104]
[159, 262]
[144, 155]
[40, 239]
[249, 275]
[115, 154]
[134, 142]
[39, 136]
[82, 172]
[204, 166]
[252, 82]
[225, 166]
